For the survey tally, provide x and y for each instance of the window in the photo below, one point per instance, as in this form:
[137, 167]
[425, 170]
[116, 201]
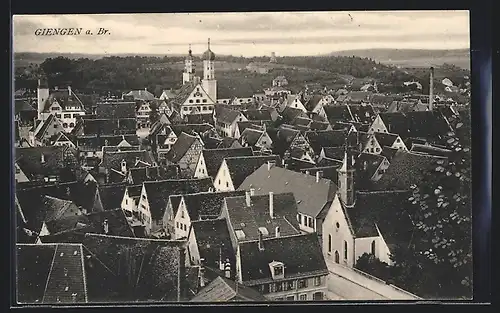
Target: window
[185, 227]
[190, 100]
[279, 287]
[329, 243]
[318, 296]
[373, 247]
[71, 124]
[317, 281]
[264, 288]
[303, 297]
[126, 201]
[227, 184]
[65, 125]
[177, 225]
[219, 181]
[345, 249]
[182, 213]
[338, 225]
[55, 126]
[377, 150]
[186, 108]
[18, 170]
[302, 283]
[58, 115]
[290, 285]
[204, 100]
[278, 270]
[298, 218]
[290, 298]
[67, 116]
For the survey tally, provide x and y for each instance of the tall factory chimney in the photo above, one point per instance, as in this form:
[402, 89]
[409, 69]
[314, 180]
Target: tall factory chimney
[431, 89]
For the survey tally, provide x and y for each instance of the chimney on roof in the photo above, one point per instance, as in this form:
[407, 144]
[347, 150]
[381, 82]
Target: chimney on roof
[69, 91]
[431, 89]
[201, 274]
[271, 204]
[319, 174]
[247, 198]
[261, 242]
[252, 191]
[124, 166]
[308, 172]
[56, 88]
[42, 160]
[105, 226]
[277, 231]
[270, 164]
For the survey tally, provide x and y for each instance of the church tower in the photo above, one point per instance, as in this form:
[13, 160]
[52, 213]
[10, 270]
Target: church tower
[346, 172]
[209, 83]
[188, 75]
[42, 96]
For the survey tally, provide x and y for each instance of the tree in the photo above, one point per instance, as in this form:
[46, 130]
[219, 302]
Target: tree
[370, 264]
[154, 116]
[441, 211]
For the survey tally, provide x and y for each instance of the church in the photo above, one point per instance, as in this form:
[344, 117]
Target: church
[197, 96]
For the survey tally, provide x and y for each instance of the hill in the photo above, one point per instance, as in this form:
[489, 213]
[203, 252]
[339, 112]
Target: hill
[412, 57]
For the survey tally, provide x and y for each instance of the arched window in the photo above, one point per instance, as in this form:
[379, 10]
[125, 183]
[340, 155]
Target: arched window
[373, 247]
[329, 243]
[345, 249]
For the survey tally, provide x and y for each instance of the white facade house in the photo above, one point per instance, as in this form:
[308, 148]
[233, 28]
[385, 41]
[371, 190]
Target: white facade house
[223, 181]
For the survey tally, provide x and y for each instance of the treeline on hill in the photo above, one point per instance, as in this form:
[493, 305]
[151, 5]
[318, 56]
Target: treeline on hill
[122, 74]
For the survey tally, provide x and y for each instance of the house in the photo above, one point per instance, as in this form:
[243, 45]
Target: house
[289, 114]
[222, 289]
[192, 98]
[130, 201]
[209, 244]
[405, 106]
[109, 197]
[326, 138]
[194, 207]
[390, 140]
[142, 115]
[185, 152]
[260, 115]
[258, 139]
[106, 126]
[143, 95]
[155, 195]
[314, 194]
[316, 103]
[63, 140]
[141, 282]
[44, 132]
[234, 170]
[50, 274]
[140, 174]
[280, 81]
[338, 113]
[369, 168]
[295, 102]
[115, 165]
[65, 104]
[43, 164]
[285, 140]
[200, 118]
[95, 146]
[226, 120]
[221, 143]
[24, 113]
[269, 215]
[241, 126]
[167, 94]
[363, 113]
[288, 268]
[259, 97]
[210, 160]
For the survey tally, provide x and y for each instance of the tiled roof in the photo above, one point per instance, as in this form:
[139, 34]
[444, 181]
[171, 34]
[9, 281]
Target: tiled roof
[386, 209]
[214, 157]
[290, 114]
[416, 124]
[363, 113]
[30, 160]
[111, 196]
[241, 167]
[326, 138]
[43, 127]
[250, 219]
[225, 115]
[207, 204]
[229, 143]
[114, 110]
[328, 172]
[388, 152]
[22, 106]
[311, 195]
[152, 265]
[112, 160]
[214, 242]
[430, 150]
[50, 274]
[381, 99]
[302, 121]
[405, 106]
[367, 164]
[406, 168]
[108, 126]
[117, 223]
[250, 136]
[318, 125]
[158, 192]
[282, 138]
[301, 255]
[141, 95]
[313, 102]
[64, 99]
[257, 115]
[181, 147]
[338, 113]
[142, 174]
[248, 124]
[200, 118]
[134, 190]
[108, 149]
[200, 129]
[385, 139]
[222, 289]
[335, 153]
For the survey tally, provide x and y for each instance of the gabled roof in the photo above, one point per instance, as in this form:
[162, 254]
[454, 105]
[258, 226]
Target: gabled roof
[289, 114]
[335, 153]
[256, 217]
[326, 138]
[192, 129]
[30, 160]
[338, 113]
[63, 98]
[301, 255]
[257, 115]
[241, 167]
[158, 192]
[114, 110]
[313, 102]
[141, 95]
[282, 138]
[311, 195]
[50, 274]
[134, 190]
[430, 150]
[146, 173]
[318, 125]
[385, 139]
[200, 118]
[117, 223]
[214, 157]
[328, 172]
[225, 115]
[214, 241]
[367, 164]
[251, 136]
[222, 289]
[112, 160]
[363, 113]
[153, 265]
[109, 126]
[22, 106]
[207, 204]
[416, 124]
[111, 196]
[406, 168]
[44, 126]
[389, 152]
[181, 147]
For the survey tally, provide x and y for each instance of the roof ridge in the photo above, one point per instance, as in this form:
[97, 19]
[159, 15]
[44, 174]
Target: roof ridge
[50, 272]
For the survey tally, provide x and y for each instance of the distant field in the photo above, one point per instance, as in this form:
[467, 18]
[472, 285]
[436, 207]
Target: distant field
[428, 62]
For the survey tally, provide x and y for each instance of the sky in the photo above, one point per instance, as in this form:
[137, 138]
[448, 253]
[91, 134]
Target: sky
[246, 33]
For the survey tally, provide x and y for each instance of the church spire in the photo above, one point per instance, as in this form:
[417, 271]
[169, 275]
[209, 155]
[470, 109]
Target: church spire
[208, 43]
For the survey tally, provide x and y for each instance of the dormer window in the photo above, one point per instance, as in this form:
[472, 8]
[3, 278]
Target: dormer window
[240, 234]
[277, 269]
